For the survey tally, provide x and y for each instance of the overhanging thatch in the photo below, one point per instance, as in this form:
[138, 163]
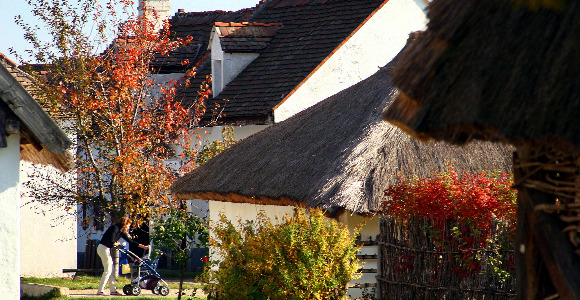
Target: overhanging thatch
[336, 155]
[493, 70]
[42, 141]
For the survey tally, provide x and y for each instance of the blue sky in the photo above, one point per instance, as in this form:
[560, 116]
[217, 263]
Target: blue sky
[12, 36]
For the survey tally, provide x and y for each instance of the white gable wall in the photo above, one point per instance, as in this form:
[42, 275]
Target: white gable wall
[10, 218]
[226, 66]
[374, 45]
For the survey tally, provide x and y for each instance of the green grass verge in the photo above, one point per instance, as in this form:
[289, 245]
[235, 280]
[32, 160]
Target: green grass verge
[84, 282]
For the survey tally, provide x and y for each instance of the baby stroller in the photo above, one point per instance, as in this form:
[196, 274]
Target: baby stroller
[144, 275]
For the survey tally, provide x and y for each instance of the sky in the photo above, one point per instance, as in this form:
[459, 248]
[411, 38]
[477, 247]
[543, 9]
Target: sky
[11, 35]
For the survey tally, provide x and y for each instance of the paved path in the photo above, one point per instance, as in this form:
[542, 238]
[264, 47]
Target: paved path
[144, 293]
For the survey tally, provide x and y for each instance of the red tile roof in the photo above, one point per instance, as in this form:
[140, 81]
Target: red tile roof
[311, 31]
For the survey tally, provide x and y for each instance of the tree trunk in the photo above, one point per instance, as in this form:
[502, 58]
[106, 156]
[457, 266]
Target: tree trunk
[181, 275]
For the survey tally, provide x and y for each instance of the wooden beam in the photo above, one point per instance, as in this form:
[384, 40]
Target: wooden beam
[31, 114]
[533, 280]
[542, 232]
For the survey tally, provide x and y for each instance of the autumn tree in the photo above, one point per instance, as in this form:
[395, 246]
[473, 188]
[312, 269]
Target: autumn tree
[95, 73]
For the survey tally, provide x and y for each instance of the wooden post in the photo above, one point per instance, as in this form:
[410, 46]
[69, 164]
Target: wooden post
[546, 247]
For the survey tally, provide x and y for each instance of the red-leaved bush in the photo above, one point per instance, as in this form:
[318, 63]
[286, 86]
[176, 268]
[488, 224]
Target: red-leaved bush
[464, 209]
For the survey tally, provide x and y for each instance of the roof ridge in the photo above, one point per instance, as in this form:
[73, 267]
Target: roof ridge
[259, 8]
[182, 12]
[246, 24]
[8, 60]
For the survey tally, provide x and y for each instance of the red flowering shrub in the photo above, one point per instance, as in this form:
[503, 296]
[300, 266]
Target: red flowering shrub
[468, 211]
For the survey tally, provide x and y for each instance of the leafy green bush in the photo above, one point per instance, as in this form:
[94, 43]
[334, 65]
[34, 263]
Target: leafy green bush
[179, 232]
[306, 256]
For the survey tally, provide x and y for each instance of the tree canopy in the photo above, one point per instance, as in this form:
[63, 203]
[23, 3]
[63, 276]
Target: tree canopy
[133, 137]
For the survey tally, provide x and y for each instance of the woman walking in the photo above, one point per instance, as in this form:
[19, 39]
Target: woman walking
[111, 238]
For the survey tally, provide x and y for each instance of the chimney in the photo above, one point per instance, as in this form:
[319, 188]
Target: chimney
[160, 6]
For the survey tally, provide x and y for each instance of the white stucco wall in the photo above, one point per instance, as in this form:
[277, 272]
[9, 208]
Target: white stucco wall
[49, 231]
[10, 219]
[245, 211]
[369, 231]
[374, 45]
[214, 133]
[163, 80]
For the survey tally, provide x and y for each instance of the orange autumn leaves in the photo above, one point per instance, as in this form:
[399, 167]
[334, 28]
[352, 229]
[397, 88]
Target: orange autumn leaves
[128, 125]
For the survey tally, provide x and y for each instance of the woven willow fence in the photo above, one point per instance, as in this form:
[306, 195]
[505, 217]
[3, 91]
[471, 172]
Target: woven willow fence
[413, 267]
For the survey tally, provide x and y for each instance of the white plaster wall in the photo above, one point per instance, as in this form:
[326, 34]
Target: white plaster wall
[10, 219]
[374, 45]
[198, 207]
[163, 80]
[243, 212]
[215, 46]
[234, 63]
[246, 211]
[214, 133]
[369, 231]
[48, 231]
[217, 56]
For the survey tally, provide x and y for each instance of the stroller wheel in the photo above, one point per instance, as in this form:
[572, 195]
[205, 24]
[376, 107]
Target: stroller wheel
[164, 290]
[156, 289]
[136, 290]
[127, 289]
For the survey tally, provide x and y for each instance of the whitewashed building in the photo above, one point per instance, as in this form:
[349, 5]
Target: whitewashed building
[26, 133]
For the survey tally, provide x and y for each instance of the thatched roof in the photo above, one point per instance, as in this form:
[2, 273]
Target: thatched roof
[42, 141]
[336, 155]
[493, 70]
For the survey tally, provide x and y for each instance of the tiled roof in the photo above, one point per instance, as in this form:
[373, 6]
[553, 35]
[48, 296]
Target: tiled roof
[198, 25]
[24, 79]
[246, 37]
[311, 31]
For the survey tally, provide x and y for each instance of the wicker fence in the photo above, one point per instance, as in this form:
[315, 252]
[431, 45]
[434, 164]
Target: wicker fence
[413, 267]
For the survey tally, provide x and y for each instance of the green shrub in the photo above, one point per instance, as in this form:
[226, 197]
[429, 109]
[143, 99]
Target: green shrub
[306, 256]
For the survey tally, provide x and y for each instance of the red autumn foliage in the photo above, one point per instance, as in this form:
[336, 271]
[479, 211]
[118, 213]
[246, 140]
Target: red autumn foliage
[470, 204]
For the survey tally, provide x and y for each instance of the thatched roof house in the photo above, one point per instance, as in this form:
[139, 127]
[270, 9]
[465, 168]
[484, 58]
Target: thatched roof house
[508, 70]
[26, 133]
[337, 155]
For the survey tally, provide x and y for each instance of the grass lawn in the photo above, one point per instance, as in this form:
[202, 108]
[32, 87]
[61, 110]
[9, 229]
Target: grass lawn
[83, 282]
